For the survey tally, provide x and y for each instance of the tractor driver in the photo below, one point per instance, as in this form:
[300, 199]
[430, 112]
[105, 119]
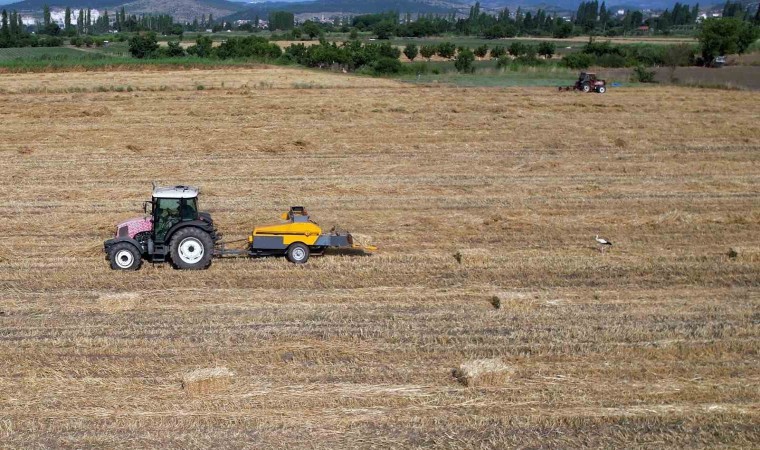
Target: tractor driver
[168, 215]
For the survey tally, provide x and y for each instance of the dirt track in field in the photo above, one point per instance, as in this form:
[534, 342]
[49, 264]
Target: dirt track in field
[653, 343]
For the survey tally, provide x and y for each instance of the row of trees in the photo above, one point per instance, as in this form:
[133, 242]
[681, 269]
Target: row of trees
[737, 10]
[591, 17]
[448, 50]
[351, 55]
[145, 45]
[14, 34]
[81, 22]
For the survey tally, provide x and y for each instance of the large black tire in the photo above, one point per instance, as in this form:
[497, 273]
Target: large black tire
[586, 87]
[298, 253]
[124, 256]
[191, 249]
[601, 89]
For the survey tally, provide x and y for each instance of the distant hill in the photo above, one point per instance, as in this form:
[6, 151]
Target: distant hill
[572, 5]
[37, 5]
[186, 10]
[182, 10]
[345, 6]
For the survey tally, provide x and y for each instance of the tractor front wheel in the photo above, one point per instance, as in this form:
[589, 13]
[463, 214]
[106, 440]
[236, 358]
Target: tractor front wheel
[298, 253]
[191, 249]
[124, 256]
[601, 89]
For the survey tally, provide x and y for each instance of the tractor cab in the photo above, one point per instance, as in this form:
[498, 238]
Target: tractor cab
[587, 77]
[170, 206]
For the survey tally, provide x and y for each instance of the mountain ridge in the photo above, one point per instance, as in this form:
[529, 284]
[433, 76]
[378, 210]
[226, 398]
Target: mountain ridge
[186, 10]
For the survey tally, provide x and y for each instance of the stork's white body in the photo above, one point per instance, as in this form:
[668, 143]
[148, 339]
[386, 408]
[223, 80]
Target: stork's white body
[603, 243]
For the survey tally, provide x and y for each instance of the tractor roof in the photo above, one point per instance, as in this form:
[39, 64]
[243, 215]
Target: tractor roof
[175, 192]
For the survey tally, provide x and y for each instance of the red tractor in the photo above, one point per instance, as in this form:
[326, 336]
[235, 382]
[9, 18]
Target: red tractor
[587, 82]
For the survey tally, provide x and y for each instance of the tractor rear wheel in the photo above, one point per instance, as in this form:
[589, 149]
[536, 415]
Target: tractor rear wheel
[298, 253]
[191, 249]
[124, 256]
[586, 87]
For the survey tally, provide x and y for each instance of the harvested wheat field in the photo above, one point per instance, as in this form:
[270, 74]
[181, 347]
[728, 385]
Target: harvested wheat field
[487, 319]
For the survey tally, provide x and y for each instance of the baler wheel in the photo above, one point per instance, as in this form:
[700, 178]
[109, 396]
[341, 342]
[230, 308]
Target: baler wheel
[298, 253]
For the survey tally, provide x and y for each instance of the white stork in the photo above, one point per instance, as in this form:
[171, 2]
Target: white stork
[603, 243]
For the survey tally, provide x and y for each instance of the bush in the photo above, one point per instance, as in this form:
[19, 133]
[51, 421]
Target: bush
[517, 48]
[722, 36]
[464, 61]
[202, 47]
[446, 50]
[564, 30]
[386, 65]
[248, 47]
[577, 60]
[384, 30]
[530, 51]
[500, 31]
[411, 51]
[481, 51]
[503, 61]
[174, 50]
[497, 52]
[142, 45]
[49, 41]
[642, 75]
[427, 51]
[546, 49]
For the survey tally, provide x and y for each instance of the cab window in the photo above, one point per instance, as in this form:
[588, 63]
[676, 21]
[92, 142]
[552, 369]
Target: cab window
[189, 209]
[166, 215]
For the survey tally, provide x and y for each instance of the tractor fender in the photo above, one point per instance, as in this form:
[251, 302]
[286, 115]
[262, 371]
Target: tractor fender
[111, 242]
[205, 226]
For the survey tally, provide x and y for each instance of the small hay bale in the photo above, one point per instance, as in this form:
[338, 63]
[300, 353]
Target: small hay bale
[673, 217]
[204, 381]
[474, 256]
[118, 301]
[483, 372]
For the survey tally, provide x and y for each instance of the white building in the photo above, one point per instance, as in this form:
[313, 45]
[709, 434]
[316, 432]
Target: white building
[59, 16]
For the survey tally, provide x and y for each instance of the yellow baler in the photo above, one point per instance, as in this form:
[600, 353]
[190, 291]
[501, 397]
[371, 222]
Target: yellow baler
[298, 238]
